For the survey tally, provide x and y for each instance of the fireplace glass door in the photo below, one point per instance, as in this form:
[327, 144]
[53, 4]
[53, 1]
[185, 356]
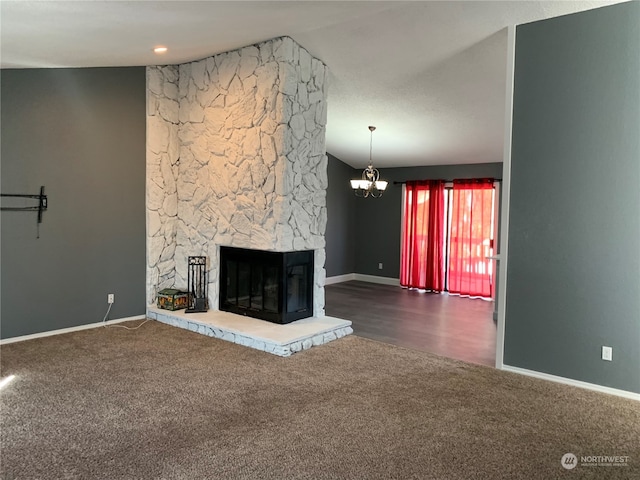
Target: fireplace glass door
[273, 286]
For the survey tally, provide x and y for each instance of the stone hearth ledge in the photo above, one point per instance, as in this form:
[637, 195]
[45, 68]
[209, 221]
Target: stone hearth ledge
[281, 340]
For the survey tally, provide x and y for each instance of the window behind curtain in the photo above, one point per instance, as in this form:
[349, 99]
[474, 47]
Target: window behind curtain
[471, 238]
[421, 263]
[467, 212]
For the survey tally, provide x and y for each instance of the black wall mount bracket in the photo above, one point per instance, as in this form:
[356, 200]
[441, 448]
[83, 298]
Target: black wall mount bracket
[41, 207]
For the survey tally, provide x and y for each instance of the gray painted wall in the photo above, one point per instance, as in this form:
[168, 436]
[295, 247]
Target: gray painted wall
[81, 134]
[340, 234]
[379, 220]
[573, 278]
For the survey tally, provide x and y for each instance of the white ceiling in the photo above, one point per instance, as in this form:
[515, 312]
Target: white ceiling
[429, 75]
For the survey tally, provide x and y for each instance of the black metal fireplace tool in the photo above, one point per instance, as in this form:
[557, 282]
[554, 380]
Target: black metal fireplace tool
[197, 285]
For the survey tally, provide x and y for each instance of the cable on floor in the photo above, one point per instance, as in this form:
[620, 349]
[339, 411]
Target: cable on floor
[106, 315]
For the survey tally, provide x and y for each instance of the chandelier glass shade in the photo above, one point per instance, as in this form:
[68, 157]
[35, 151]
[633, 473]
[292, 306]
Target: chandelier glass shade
[370, 184]
[369, 181]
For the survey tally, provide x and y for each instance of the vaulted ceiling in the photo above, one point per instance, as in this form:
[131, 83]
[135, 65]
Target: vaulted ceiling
[431, 76]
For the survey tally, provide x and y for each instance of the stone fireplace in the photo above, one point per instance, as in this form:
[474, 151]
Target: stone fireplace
[236, 157]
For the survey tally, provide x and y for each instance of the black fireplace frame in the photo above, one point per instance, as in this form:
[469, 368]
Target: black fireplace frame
[259, 260]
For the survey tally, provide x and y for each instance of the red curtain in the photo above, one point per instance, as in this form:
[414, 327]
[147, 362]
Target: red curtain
[421, 263]
[470, 273]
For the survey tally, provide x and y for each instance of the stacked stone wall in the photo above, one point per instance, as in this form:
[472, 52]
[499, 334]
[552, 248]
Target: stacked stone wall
[163, 154]
[252, 166]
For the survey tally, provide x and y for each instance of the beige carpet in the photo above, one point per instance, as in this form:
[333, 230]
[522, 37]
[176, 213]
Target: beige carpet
[165, 403]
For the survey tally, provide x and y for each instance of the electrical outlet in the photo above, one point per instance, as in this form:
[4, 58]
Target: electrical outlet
[607, 353]
[380, 266]
[111, 298]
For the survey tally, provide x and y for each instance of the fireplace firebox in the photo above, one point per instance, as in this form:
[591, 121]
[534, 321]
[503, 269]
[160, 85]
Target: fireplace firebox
[272, 286]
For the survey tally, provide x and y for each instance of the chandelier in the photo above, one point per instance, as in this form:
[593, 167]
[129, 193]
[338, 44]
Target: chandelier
[370, 184]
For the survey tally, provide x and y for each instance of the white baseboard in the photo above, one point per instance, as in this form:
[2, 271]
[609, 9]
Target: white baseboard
[363, 278]
[573, 383]
[340, 278]
[70, 329]
[376, 279]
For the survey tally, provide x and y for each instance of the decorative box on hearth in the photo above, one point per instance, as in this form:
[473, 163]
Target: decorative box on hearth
[173, 299]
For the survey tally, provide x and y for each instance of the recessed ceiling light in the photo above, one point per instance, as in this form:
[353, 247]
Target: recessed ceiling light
[160, 49]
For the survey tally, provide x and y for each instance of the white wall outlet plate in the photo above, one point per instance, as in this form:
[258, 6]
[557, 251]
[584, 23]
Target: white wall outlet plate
[111, 298]
[607, 353]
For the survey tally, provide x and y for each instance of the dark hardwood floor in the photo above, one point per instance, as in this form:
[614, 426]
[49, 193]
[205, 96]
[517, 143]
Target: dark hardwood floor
[450, 326]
